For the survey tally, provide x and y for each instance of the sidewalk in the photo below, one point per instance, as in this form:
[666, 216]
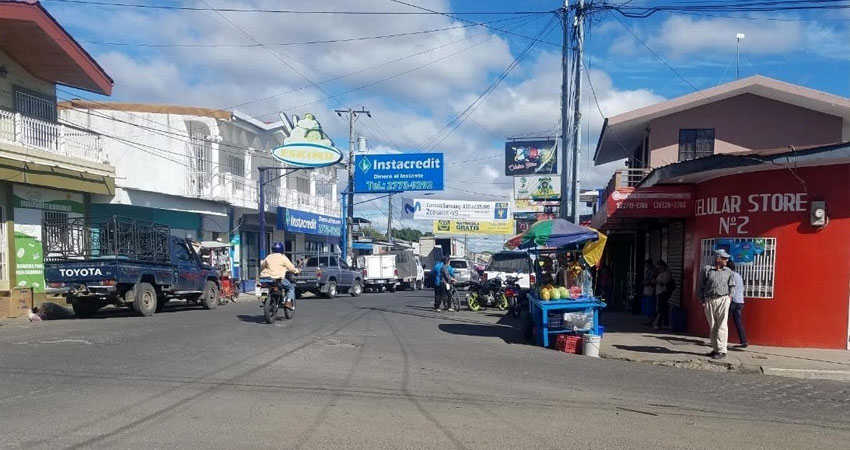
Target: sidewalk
[628, 339]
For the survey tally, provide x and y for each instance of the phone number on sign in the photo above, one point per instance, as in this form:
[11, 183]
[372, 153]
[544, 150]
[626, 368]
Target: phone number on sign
[400, 185]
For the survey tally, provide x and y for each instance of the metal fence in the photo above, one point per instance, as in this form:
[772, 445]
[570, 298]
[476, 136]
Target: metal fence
[758, 275]
[114, 237]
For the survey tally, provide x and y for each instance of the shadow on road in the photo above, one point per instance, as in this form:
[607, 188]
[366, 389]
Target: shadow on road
[654, 349]
[252, 318]
[679, 340]
[508, 334]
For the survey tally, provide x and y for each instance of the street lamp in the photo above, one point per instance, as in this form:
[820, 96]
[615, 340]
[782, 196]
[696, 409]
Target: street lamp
[739, 37]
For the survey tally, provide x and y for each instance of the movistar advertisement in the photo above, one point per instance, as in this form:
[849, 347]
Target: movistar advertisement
[296, 221]
[398, 172]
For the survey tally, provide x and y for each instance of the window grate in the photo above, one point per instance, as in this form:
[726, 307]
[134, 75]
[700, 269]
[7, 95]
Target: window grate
[756, 262]
[695, 143]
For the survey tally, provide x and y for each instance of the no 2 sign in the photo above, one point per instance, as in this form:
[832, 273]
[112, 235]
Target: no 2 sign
[734, 224]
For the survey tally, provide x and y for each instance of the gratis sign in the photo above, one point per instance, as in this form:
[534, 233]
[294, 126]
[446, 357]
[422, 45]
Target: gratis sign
[398, 172]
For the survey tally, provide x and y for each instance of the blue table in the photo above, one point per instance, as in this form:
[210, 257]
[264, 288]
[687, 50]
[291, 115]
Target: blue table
[540, 309]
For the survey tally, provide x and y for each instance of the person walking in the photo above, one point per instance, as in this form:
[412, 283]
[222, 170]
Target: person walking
[438, 287]
[716, 286]
[737, 306]
[447, 277]
[648, 299]
[664, 287]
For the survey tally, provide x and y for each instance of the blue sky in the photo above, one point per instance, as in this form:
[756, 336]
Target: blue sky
[417, 84]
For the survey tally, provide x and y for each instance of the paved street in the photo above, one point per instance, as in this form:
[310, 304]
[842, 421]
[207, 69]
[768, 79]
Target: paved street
[379, 371]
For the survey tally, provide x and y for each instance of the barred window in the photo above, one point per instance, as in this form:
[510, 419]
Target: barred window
[754, 258]
[695, 143]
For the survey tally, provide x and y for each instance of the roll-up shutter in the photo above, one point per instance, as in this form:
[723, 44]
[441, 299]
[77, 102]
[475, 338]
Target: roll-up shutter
[675, 257]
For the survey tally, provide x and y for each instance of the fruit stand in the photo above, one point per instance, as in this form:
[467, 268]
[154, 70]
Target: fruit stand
[565, 253]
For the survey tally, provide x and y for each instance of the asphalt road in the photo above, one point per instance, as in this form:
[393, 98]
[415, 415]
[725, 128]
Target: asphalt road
[379, 371]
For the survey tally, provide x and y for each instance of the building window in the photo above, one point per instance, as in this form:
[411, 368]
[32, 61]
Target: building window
[34, 105]
[235, 165]
[754, 258]
[695, 143]
[302, 185]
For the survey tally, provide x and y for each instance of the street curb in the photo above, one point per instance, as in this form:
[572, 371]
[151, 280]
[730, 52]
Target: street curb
[808, 374]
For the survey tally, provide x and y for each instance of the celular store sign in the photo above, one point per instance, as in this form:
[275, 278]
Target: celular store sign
[307, 146]
[398, 172]
[296, 221]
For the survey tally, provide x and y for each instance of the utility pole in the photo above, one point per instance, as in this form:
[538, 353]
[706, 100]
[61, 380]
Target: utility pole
[352, 117]
[579, 24]
[390, 218]
[565, 68]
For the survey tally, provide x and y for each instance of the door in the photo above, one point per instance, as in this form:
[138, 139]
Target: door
[387, 266]
[676, 258]
[347, 276]
[186, 270]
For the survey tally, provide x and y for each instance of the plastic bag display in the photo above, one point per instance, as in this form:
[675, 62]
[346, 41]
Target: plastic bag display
[578, 320]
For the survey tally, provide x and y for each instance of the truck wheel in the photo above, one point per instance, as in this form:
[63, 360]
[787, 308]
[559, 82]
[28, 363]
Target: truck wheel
[331, 289]
[145, 302]
[356, 290]
[84, 310]
[392, 288]
[209, 299]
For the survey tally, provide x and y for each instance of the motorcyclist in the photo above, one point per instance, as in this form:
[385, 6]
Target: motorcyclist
[275, 266]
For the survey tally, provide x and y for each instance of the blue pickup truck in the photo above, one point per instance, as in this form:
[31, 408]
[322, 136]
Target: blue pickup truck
[123, 262]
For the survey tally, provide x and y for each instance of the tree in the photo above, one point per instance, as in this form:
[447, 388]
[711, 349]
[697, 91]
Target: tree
[407, 234]
[372, 233]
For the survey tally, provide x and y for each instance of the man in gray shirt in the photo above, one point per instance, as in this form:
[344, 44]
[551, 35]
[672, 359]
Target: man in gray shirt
[716, 287]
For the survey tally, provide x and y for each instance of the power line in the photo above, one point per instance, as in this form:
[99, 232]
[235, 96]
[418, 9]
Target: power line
[281, 11]
[284, 44]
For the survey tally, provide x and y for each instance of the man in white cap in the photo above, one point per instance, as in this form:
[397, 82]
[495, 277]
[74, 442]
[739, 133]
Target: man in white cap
[716, 286]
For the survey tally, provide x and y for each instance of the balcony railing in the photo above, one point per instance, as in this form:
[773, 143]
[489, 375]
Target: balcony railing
[625, 178]
[242, 192]
[52, 137]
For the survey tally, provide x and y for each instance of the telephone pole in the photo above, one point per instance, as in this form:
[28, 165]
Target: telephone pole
[352, 117]
[390, 218]
[565, 68]
[579, 24]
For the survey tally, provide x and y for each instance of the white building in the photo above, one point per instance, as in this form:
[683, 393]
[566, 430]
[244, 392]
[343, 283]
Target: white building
[196, 169]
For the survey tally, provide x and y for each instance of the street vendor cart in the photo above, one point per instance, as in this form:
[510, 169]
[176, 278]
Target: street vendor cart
[218, 255]
[562, 301]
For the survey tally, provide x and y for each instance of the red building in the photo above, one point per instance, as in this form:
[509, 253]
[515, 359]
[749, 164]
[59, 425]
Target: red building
[751, 183]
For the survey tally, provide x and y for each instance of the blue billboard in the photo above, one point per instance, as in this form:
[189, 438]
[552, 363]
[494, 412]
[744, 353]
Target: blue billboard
[296, 221]
[398, 172]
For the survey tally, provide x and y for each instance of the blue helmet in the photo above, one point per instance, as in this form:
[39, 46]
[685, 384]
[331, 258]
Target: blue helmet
[277, 247]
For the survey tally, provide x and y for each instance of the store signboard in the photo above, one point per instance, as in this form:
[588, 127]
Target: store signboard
[296, 221]
[307, 146]
[659, 201]
[473, 227]
[398, 172]
[433, 209]
[537, 187]
[525, 220]
[539, 157]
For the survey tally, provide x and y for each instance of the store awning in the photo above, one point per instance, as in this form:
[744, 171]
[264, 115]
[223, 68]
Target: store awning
[626, 204]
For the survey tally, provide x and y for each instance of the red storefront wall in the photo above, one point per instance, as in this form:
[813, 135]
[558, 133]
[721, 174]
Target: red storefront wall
[812, 269]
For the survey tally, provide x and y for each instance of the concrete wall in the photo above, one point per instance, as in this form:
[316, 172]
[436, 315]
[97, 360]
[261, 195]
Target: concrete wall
[18, 77]
[745, 122]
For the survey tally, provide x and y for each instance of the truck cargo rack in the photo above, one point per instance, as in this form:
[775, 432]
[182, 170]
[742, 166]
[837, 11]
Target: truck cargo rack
[107, 238]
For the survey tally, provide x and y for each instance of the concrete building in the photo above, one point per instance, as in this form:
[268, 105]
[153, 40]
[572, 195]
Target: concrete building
[744, 166]
[196, 169]
[49, 169]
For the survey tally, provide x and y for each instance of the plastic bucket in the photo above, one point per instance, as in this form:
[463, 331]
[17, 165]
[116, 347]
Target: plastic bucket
[590, 345]
[601, 331]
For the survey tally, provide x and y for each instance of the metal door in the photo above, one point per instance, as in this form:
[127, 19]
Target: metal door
[676, 258]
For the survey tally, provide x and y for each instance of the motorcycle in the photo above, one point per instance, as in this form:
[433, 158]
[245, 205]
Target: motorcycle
[272, 298]
[512, 292]
[486, 294]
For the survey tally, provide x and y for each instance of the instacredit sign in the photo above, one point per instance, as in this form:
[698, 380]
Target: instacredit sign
[472, 227]
[398, 172]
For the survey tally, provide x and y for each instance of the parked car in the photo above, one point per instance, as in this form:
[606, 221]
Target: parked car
[328, 275]
[410, 272]
[515, 264]
[464, 274]
[379, 272]
[130, 263]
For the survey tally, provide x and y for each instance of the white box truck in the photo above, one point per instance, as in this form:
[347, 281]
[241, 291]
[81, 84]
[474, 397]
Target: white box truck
[379, 272]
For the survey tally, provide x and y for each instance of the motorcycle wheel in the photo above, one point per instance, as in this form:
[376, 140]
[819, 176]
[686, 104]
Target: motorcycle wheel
[289, 313]
[270, 307]
[515, 307]
[502, 302]
[472, 302]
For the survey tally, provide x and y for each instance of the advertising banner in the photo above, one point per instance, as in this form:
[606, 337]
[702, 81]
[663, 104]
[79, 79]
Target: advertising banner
[433, 209]
[537, 187]
[531, 158]
[296, 221]
[307, 146]
[471, 227]
[659, 201]
[524, 220]
[398, 172]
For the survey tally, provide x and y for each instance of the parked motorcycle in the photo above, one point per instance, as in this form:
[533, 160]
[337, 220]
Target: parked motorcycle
[272, 298]
[486, 294]
[512, 292]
